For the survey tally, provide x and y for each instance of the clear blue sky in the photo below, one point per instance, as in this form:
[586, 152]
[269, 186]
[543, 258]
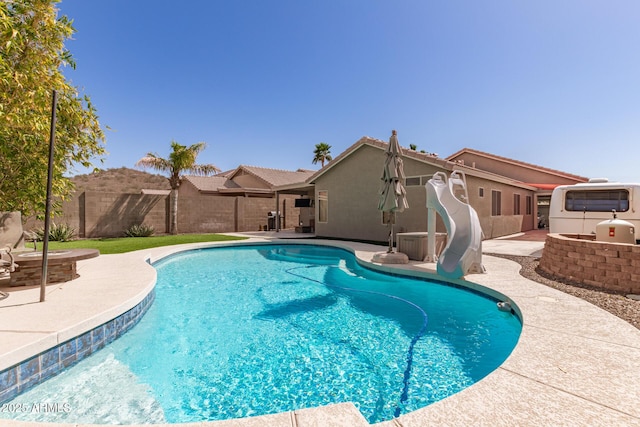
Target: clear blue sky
[554, 83]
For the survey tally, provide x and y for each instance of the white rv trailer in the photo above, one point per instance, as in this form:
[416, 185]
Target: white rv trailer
[579, 208]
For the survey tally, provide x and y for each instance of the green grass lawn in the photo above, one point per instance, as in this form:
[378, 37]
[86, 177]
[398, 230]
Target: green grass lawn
[118, 245]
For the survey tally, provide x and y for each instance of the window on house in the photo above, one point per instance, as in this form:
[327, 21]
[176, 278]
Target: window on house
[323, 206]
[529, 205]
[516, 204]
[480, 192]
[496, 203]
[412, 181]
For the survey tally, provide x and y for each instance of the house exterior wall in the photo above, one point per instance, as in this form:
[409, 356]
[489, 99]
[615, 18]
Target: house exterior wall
[352, 203]
[508, 222]
[353, 192]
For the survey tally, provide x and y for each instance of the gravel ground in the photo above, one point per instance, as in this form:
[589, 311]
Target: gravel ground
[617, 304]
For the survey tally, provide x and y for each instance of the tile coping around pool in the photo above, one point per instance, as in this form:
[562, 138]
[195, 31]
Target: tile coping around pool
[575, 364]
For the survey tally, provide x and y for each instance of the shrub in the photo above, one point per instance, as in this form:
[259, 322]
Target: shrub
[57, 233]
[139, 231]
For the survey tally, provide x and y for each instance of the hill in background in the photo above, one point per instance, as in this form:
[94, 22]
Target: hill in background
[120, 180]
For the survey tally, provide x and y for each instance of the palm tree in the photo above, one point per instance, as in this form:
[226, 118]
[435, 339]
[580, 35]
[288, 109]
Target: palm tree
[181, 159]
[322, 153]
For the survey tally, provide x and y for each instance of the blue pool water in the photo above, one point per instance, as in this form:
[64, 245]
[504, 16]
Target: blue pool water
[254, 330]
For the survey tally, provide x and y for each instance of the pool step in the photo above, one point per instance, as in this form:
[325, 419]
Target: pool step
[300, 257]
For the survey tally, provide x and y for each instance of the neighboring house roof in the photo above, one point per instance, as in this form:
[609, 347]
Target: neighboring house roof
[428, 158]
[225, 173]
[274, 177]
[224, 183]
[208, 184]
[517, 163]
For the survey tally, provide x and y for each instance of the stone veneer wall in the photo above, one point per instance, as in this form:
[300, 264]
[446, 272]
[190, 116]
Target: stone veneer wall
[610, 266]
[33, 371]
[31, 275]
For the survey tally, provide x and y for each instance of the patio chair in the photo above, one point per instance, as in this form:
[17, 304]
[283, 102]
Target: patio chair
[6, 268]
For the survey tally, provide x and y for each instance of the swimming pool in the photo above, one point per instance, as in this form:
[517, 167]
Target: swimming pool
[232, 333]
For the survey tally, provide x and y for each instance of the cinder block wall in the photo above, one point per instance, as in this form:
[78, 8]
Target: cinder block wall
[104, 214]
[211, 214]
[219, 214]
[609, 266]
[110, 214]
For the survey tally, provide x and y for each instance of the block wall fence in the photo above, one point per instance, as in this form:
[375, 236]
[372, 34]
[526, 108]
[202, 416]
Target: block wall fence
[610, 266]
[104, 214]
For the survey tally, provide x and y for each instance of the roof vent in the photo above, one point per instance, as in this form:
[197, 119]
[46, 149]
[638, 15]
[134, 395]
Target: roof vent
[596, 180]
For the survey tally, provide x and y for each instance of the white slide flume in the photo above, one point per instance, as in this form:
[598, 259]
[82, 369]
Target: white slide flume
[463, 252]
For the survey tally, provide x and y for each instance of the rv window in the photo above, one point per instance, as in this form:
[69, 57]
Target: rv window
[597, 200]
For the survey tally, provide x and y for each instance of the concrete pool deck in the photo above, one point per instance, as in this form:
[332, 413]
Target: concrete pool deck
[574, 364]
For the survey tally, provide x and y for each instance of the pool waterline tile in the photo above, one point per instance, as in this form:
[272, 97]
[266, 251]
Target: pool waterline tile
[23, 376]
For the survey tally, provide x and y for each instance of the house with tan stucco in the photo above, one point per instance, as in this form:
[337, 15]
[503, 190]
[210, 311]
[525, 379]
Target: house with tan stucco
[542, 178]
[346, 192]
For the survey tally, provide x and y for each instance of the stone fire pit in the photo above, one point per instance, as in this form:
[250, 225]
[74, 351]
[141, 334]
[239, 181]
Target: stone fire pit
[61, 266]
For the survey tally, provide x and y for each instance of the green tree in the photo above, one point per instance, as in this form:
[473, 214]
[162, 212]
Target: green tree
[181, 159]
[32, 54]
[322, 153]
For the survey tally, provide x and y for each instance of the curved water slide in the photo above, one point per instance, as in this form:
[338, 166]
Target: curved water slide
[463, 253]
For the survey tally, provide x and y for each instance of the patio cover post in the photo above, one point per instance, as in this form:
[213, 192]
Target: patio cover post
[431, 236]
[277, 211]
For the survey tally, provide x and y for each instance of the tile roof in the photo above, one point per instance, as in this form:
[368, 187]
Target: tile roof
[367, 140]
[226, 173]
[428, 158]
[210, 183]
[517, 162]
[275, 177]
[272, 177]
